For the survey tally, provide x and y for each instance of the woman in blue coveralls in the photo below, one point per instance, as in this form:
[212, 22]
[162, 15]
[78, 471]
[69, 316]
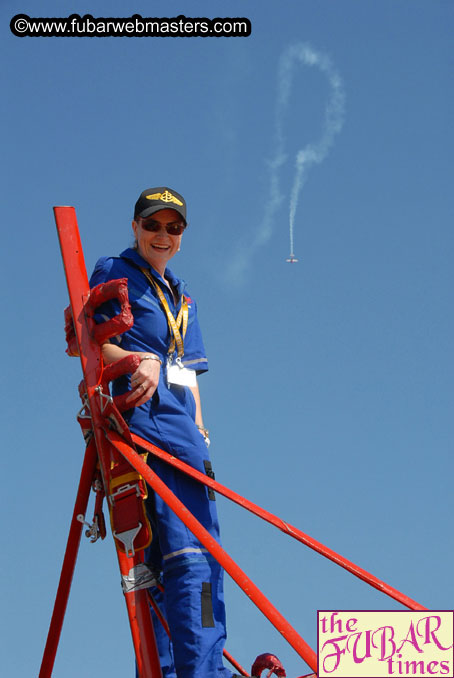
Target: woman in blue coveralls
[168, 413]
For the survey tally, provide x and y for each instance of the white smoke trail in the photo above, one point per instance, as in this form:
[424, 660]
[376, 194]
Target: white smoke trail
[306, 157]
[334, 119]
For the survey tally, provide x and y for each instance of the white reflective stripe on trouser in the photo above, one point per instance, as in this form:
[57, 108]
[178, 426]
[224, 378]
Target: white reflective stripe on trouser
[189, 549]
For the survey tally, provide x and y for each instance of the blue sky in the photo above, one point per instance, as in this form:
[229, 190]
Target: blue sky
[329, 397]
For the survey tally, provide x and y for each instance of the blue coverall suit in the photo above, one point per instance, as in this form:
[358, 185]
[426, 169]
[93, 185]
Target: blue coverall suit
[193, 601]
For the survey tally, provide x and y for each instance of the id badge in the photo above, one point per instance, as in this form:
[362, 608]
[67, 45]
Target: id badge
[178, 374]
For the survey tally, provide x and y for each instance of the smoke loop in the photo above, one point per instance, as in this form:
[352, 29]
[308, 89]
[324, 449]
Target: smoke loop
[306, 157]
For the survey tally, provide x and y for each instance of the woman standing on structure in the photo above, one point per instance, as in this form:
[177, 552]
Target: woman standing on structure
[167, 412]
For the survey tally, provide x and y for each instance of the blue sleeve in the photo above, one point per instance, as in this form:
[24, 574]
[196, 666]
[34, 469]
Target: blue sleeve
[194, 351]
[101, 272]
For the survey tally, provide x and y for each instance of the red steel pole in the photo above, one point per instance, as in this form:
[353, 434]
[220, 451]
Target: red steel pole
[69, 562]
[235, 664]
[229, 565]
[279, 523]
[91, 361]
[142, 631]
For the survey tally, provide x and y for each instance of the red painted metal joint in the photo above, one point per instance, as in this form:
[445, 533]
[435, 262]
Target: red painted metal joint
[267, 661]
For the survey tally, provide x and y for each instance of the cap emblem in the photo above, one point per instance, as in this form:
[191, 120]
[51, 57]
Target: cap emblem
[165, 197]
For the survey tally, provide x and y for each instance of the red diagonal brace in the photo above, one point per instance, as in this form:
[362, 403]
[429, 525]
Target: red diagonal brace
[281, 524]
[229, 565]
[69, 562]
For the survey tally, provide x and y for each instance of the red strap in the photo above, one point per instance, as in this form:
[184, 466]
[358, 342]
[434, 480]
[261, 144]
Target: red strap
[130, 525]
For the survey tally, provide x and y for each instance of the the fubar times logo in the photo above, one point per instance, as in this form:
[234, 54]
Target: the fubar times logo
[372, 644]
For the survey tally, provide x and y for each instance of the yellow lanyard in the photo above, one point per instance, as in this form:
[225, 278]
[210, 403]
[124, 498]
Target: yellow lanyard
[177, 326]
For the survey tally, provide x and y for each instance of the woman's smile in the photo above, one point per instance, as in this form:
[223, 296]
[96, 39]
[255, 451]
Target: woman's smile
[157, 246]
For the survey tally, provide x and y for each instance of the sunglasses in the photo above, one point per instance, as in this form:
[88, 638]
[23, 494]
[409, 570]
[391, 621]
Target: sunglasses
[173, 228]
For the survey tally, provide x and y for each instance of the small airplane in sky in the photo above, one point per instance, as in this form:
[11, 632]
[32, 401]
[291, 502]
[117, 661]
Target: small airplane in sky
[292, 259]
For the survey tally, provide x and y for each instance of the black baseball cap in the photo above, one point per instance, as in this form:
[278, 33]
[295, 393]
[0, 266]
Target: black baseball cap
[152, 200]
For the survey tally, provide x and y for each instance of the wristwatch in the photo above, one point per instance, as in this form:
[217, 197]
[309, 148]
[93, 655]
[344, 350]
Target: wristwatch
[205, 432]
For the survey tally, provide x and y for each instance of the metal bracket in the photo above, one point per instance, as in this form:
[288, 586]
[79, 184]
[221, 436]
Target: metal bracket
[93, 532]
[85, 406]
[123, 488]
[81, 413]
[127, 539]
[105, 399]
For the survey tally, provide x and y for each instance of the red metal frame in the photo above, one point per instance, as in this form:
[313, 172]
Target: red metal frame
[108, 444]
[90, 355]
[229, 565]
[279, 523]
[69, 561]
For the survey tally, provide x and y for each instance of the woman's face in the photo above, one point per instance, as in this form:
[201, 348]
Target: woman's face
[157, 247]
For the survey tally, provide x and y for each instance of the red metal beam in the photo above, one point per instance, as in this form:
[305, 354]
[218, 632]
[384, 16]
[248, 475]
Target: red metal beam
[229, 565]
[235, 664]
[91, 360]
[69, 562]
[141, 624]
[279, 523]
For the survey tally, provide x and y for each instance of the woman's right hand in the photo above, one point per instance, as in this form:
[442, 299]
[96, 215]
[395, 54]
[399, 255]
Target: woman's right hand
[145, 380]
